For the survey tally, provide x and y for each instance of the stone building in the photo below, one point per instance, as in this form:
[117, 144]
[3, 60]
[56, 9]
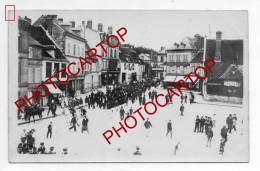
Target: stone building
[67, 37]
[39, 58]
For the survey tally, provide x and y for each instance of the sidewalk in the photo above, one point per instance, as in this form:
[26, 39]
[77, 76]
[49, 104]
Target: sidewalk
[200, 100]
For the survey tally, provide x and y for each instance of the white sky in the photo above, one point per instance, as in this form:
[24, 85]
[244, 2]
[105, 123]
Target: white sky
[155, 28]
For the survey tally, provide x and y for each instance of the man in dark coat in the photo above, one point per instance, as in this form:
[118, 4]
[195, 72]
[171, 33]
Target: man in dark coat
[122, 113]
[182, 109]
[73, 122]
[223, 133]
[41, 149]
[84, 124]
[53, 108]
[169, 128]
[49, 132]
[229, 122]
[197, 124]
[147, 124]
[202, 123]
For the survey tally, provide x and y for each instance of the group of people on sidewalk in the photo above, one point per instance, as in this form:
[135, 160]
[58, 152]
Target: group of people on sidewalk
[27, 144]
[206, 124]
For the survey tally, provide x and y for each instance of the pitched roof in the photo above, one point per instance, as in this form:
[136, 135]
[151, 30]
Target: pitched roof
[38, 36]
[233, 72]
[198, 57]
[129, 55]
[231, 50]
[46, 20]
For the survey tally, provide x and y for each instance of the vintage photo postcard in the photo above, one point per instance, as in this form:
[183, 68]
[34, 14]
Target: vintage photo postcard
[128, 86]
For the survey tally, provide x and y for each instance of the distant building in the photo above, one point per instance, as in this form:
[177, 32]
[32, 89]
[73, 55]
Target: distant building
[111, 64]
[178, 64]
[158, 64]
[132, 67]
[146, 58]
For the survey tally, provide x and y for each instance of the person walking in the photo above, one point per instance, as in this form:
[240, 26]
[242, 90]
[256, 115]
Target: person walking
[234, 118]
[221, 146]
[182, 109]
[223, 133]
[229, 122]
[84, 124]
[49, 131]
[147, 124]
[209, 136]
[73, 122]
[197, 124]
[122, 113]
[202, 123]
[169, 128]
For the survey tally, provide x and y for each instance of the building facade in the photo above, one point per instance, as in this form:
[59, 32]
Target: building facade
[178, 63]
[226, 81]
[132, 67]
[39, 59]
[93, 72]
[72, 44]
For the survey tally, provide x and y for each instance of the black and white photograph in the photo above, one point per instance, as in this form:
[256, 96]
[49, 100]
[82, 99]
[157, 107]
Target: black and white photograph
[128, 86]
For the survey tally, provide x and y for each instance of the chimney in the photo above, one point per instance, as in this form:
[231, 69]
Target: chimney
[83, 29]
[100, 27]
[72, 24]
[218, 46]
[60, 20]
[27, 19]
[89, 24]
[110, 30]
[52, 16]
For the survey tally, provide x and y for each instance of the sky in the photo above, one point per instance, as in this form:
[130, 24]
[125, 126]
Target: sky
[156, 28]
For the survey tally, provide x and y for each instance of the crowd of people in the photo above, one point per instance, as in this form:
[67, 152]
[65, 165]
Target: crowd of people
[28, 146]
[206, 124]
[117, 95]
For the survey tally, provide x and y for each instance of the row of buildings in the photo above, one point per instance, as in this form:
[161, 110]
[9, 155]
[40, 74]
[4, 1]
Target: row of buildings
[226, 81]
[49, 44]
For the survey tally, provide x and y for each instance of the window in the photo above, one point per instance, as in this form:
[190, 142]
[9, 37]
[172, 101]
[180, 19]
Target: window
[185, 58]
[68, 48]
[30, 52]
[20, 43]
[56, 67]
[177, 58]
[74, 52]
[48, 69]
[111, 53]
[115, 53]
[63, 74]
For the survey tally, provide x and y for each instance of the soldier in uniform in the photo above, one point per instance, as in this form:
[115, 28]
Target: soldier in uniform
[182, 109]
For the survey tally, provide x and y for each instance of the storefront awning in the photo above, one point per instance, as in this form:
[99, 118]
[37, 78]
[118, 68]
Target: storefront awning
[187, 80]
[53, 90]
[169, 78]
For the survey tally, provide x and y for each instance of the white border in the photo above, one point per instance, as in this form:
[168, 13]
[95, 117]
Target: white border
[254, 29]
